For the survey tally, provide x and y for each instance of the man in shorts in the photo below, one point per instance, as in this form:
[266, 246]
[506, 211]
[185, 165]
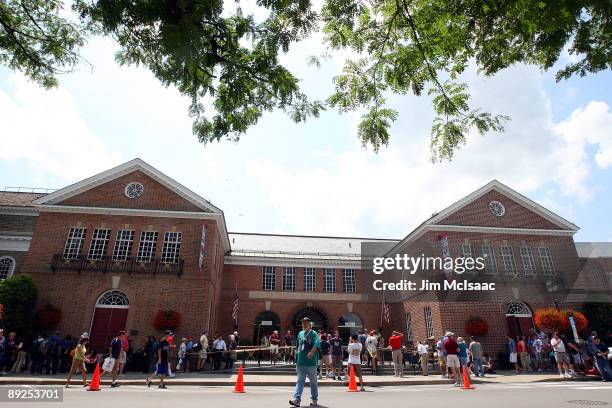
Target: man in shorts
[451, 348]
[161, 368]
[274, 343]
[354, 359]
[561, 356]
[114, 351]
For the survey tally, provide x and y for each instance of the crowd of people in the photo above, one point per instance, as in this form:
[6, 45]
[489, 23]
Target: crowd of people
[536, 352]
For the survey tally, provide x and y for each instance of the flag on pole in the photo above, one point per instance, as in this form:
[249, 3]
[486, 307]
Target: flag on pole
[235, 308]
[386, 312]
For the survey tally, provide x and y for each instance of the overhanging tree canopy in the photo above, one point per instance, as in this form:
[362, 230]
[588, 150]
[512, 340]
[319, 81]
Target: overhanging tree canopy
[400, 47]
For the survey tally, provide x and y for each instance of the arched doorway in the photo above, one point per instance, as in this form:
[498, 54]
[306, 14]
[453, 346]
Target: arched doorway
[265, 323]
[110, 316]
[349, 324]
[318, 317]
[518, 318]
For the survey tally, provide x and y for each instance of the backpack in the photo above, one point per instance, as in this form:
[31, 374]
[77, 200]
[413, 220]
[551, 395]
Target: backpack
[43, 346]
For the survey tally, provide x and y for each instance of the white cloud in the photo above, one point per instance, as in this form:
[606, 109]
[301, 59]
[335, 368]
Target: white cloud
[45, 129]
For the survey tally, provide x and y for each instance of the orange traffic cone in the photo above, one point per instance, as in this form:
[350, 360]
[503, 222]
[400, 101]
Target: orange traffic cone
[239, 382]
[352, 381]
[94, 384]
[466, 380]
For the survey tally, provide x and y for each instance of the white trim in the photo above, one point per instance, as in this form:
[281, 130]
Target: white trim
[218, 217]
[294, 262]
[499, 230]
[12, 271]
[15, 243]
[305, 296]
[98, 305]
[18, 210]
[510, 193]
[119, 171]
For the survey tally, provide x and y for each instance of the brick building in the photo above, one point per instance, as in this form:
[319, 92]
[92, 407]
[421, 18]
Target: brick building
[114, 249]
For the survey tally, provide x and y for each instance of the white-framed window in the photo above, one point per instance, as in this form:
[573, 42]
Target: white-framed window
[466, 252]
[547, 262]
[527, 260]
[147, 247]
[7, 267]
[74, 243]
[329, 280]
[172, 247]
[507, 260]
[428, 321]
[488, 254]
[99, 244]
[123, 245]
[268, 281]
[348, 279]
[310, 280]
[408, 326]
[289, 279]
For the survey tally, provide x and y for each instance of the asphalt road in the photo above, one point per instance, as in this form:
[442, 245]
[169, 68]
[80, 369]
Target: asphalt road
[541, 395]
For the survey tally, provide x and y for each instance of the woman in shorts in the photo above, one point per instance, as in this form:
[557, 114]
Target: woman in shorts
[78, 361]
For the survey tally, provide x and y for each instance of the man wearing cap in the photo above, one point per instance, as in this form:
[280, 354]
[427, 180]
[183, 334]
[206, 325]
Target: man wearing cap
[370, 345]
[451, 348]
[308, 347]
[274, 343]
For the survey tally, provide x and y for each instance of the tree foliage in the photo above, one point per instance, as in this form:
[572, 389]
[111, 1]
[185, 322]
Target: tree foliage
[231, 61]
[18, 294]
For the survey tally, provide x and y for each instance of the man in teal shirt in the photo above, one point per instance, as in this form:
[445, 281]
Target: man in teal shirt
[308, 347]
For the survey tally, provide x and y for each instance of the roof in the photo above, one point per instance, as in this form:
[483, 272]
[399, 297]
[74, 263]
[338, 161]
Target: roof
[299, 246]
[18, 199]
[594, 249]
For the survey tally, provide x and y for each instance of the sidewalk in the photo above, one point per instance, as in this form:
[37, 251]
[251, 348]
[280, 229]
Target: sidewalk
[205, 379]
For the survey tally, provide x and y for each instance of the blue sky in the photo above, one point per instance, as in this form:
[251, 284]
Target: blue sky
[315, 178]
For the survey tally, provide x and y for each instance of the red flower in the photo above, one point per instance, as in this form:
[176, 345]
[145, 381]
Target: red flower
[554, 319]
[167, 320]
[476, 326]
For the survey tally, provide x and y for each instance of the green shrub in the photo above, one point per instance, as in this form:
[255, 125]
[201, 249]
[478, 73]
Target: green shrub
[18, 294]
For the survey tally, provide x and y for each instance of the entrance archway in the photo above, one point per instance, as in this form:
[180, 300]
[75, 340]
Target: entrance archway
[265, 323]
[110, 316]
[519, 318]
[349, 324]
[318, 317]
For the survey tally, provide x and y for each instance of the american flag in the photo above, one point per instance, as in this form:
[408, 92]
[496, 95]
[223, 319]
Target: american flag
[235, 308]
[386, 312]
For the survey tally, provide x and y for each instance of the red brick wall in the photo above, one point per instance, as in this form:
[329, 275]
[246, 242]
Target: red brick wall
[477, 213]
[111, 195]
[77, 293]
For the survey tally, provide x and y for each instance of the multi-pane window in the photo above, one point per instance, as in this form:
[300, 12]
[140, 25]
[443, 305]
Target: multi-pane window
[171, 248]
[7, 266]
[428, 321]
[408, 327]
[349, 280]
[466, 252]
[268, 281]
[507, 259]
[527, 260]
[147, 246]
[123, 245]
[99, 243]
[289, 279]
[329, 280]
[546, 259]
[489, 259]
[310, 280]
[74, 243]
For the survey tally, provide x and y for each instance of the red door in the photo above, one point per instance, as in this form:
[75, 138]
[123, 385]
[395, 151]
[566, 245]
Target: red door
[519, 325]
[106, 324]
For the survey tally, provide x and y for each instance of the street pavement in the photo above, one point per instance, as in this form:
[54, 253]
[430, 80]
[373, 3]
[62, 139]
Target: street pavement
[490, 395]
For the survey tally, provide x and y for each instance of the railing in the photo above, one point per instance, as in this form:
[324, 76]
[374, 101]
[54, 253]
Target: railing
[107, 264]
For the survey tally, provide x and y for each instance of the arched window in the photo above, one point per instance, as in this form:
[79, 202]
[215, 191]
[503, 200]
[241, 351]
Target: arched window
[265, 323]
[113, 298]
[7, 267]
[518, 309]
[349, 324]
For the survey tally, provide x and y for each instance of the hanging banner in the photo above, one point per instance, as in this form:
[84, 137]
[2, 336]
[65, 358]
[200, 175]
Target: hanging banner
[443, 239]
[573, 324]
[202, 248]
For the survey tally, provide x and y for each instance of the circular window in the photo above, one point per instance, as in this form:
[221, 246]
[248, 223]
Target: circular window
[134, 190]
[497, 208]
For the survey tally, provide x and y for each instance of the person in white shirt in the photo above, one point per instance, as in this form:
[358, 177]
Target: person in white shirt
[423, 350]
[537, 351]
[203, 353]
[354, 359]
[561, 355]
[370, 344]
